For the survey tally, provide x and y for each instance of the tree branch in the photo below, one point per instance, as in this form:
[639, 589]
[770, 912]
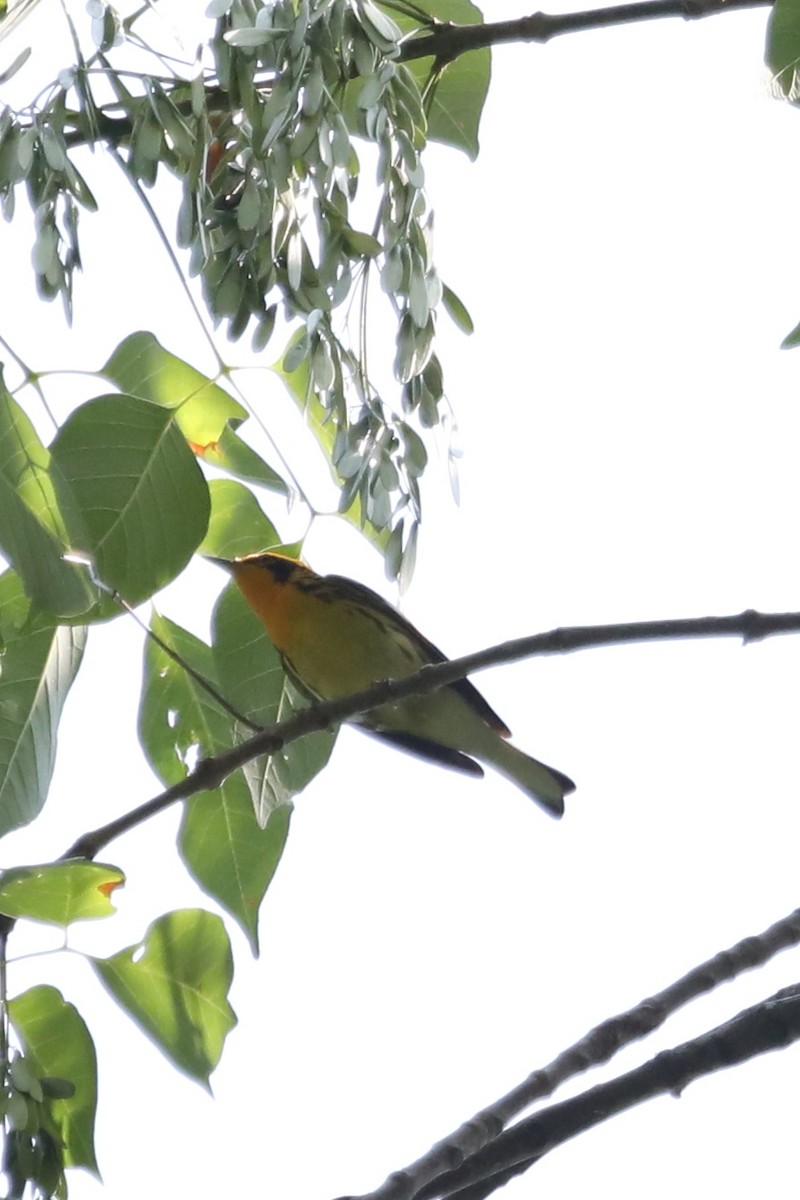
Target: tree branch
[447, 42]
[771, 1025]
[596, 1047]
[450, 41]
[748, 625]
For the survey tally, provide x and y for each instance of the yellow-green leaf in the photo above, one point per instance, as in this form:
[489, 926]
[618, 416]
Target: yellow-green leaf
[174, 984]
[60, 893]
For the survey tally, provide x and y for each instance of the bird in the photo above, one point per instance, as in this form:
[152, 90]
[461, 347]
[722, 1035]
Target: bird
[337, 637]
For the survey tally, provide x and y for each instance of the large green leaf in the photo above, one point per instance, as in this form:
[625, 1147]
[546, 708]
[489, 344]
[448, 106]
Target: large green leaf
[250, 672]
[15, 607]
[229, 854]
[237, 526]
[55, 1039]
[142, 495]
[38, 520]
[459, 12]
[142, 367]
[60, 892]
[455, 109]
[782, 52]
[38, 669]
[179, 719]
[247, 664]
[232, 454]
[459, 94]
[175, 984]
[226, 851]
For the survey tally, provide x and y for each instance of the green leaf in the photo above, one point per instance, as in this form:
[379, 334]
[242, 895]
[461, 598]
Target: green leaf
[249, 36]
[15, 607]
[38, 669]
[39, 517]
[319, 420]
[230, 453]
[229, 854]
[782, 52]
[174, 984]
[459, 12]
[252, 677]
[237, 525]
[142, 367]
[16, 65]
[56, 1088]
[59, 893]
[457, 310]
[59, 1046]
[377, 22]
[460, 92]
[24, 1079]
[178, 718]
[792, 339]
[247, 665]
[142, 495]
[360, 243]
[454, 113]
[220, 841]
[273, 780]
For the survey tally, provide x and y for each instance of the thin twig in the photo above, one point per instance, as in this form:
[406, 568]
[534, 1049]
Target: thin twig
[207, 686]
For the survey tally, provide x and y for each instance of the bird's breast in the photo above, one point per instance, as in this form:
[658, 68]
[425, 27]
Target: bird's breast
[338, 648]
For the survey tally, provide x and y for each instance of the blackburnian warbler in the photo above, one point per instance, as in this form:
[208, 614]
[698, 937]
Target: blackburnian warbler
[337, 637]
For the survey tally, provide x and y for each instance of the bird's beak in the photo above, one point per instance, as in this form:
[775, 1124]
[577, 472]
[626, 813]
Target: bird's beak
[225, 563]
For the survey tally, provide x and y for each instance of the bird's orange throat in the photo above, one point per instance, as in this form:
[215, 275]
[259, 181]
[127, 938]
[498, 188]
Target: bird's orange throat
[274, 600]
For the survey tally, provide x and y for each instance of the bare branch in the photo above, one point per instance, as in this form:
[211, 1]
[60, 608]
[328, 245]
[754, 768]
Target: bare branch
[450, 41]
[596, 1047]
[771, 1025]
[748, 625]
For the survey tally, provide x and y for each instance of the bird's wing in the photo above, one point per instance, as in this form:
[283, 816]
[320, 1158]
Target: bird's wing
[422, 748]
[428, 652]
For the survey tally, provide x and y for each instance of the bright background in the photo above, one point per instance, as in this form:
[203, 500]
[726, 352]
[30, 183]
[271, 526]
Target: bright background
[630, 436]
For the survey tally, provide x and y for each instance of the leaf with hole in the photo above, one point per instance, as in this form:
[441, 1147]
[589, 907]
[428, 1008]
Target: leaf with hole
[174, 984]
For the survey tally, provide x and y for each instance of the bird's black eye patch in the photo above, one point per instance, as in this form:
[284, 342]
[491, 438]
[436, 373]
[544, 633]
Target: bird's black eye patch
[279, 568]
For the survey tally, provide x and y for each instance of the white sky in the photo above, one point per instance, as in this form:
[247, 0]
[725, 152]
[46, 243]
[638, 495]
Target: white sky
[630, 430]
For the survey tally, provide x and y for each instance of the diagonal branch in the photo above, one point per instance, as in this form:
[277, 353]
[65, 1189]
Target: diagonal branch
[748, 625]
[596, 1047]
[771, 1025]
[447, 42]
